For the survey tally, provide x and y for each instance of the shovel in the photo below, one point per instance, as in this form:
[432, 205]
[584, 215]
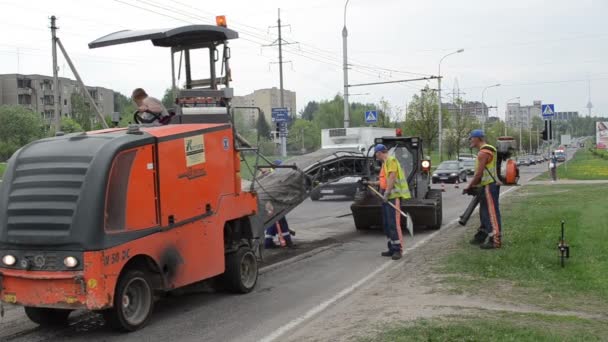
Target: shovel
[409, 223]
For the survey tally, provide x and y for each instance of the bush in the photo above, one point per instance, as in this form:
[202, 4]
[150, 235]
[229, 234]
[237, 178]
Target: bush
[18, 126]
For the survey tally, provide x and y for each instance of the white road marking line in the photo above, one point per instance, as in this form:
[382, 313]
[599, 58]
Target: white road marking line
[324, 305]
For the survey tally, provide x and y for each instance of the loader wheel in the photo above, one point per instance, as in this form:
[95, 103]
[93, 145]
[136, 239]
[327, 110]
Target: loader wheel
[133, 302]
[47, 317]
[241, 273]
[315, 195]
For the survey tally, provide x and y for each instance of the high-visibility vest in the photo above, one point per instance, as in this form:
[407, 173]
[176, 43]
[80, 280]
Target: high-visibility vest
[382, 179]
[489, 173]
[400, 188]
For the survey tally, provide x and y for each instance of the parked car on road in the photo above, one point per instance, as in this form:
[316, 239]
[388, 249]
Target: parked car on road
[450, 171]
[469, 165]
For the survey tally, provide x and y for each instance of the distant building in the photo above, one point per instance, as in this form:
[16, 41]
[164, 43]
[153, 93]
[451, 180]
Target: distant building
[473, 108]
[565, 116]
[265, 99]
[516, 114]
[36, 92]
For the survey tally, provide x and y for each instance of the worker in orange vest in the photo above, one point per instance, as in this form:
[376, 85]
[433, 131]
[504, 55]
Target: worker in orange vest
[279, 229]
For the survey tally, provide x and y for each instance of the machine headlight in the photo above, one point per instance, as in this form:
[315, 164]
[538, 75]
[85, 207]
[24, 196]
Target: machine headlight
[70, 262]
[9, 260]
[426, 164]
[453, 174]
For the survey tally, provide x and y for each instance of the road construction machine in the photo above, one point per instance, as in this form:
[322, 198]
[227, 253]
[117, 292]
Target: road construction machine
[107, 220]
[425, 206]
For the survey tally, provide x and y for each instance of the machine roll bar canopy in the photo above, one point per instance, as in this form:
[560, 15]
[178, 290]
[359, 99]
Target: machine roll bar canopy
[180, 36]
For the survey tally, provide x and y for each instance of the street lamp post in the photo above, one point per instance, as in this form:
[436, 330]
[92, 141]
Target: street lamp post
[439, 100]
[483, 121]
[506, 108]
[345, 67]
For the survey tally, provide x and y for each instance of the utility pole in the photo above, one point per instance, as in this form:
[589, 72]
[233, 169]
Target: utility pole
[280, 42]
[345, 69]
[57, 116]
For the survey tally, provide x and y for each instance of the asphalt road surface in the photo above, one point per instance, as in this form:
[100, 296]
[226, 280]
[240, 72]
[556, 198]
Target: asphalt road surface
[286, 295]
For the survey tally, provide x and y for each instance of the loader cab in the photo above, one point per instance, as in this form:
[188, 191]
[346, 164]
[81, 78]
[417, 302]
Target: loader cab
[200, 68]
[409, 153]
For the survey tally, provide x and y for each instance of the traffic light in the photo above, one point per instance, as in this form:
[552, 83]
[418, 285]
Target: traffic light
[547, 131]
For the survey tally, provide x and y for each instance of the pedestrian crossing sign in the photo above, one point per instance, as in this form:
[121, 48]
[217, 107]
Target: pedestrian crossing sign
[548, 111]
[371, 116]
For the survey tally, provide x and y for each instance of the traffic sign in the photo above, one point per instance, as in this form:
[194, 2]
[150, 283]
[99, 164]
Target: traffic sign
[371, 116]
[548, 111]
[280, 114]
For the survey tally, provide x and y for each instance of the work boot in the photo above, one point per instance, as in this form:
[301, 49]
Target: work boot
[396, 255]
[489, 244]
[289, 243]
[292, 233]
[479, 238]
[387, 254]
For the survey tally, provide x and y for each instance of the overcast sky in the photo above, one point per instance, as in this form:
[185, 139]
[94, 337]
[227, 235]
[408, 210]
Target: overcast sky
[537, 50]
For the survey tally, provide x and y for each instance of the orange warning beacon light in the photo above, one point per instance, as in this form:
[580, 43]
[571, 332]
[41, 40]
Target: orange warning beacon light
[220, 20]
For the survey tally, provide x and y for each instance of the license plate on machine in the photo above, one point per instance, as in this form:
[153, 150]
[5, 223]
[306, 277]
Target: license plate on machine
[443, 178]
[327, 191]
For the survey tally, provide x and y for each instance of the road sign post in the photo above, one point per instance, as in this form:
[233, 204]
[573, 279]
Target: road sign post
[371, 116]
[281, 117]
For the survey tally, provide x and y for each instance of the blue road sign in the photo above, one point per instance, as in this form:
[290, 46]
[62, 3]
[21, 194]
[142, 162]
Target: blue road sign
[280, 114]
[371, 116]
[548, 111]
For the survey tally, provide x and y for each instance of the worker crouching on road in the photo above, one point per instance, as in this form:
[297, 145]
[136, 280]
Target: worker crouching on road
[486, 181]
[393, 184]
[280, 229]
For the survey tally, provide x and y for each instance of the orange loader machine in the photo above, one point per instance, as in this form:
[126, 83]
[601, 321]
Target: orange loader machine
[107, 220]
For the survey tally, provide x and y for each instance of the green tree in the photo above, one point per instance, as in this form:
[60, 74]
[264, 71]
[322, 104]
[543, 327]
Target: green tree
[70, 126]
[460, 125]
[168, 98]
[304, 134]
[18, 126]
[263, 127]
[81, 111]
[423, 117]
[309, 111]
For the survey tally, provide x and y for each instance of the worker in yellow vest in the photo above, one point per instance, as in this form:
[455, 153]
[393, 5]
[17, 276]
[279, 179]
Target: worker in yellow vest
[486, 181]
[393, 184]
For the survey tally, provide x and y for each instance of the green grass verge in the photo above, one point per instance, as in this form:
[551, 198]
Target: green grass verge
[497, 327]
[584, 166]
[2, 169]
[528, 263]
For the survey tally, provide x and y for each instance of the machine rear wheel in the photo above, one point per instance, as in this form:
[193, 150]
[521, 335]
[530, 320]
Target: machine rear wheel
[47, 317]
[133, 302]
[241, 273]
[436, 194]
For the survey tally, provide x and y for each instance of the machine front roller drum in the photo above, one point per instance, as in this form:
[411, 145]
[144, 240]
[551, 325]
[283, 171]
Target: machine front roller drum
[47, 317]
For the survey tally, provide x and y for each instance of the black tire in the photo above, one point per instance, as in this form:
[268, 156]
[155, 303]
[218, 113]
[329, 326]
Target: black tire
[436, 194]
[315, 195]
[47, 317]
[241, 273]
[133, 302]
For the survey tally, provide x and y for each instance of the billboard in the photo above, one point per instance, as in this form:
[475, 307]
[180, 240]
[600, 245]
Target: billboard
[601, 134]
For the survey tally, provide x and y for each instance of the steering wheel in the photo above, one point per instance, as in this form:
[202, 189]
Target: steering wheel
[139, 120]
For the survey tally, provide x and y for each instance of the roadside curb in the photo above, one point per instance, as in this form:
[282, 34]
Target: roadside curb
[309, 254]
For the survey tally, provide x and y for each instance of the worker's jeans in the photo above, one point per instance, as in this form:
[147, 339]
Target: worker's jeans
[553, 173]
[389, 218]
[489, 212]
